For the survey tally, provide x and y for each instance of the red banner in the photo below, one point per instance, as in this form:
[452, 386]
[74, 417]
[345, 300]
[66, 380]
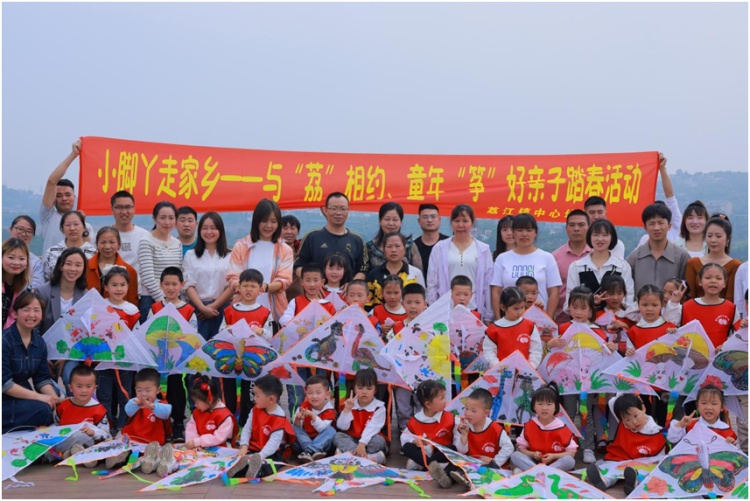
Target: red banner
[228, 179]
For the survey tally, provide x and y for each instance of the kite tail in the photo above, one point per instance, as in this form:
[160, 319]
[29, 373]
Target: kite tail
[119, 382]
[187, 393]
[602, 402]
[673, 396]
[238, 385]
[583, 408]
[163, 384]
[342, 388]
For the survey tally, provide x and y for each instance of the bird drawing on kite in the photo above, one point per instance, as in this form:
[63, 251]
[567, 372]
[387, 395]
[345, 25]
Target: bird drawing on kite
[322, 350]
[363, 357]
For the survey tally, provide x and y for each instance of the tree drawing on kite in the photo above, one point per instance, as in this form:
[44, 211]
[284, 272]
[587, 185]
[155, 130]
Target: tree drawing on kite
[240, 359]
[322, 350]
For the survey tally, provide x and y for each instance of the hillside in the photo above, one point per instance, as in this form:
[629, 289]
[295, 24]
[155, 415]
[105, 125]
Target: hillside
[725, 192]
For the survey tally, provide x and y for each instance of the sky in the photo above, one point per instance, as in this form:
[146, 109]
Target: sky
[377, 78]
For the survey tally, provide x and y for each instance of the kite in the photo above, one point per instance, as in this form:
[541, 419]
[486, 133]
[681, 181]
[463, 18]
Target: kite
[544, 324]
[477, 473]
[200, 471]
[21, 448]
[102, 450]
[466, 334]
[540, 482]
[643, 466]
[312, 316]
[701, 464]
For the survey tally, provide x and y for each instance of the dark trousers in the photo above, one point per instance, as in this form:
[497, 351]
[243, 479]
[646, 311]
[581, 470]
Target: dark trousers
[265, 470]
[414, 452]
[18, 412]
[110, 395]
[177, 399]
[247, 398]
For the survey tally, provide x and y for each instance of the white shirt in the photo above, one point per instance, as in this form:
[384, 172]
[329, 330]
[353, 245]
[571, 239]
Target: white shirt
[506, 446]
[317, 423]
[372, 427]
[676, 433]
[129, 249]
[274, 439]
[489, 348]
[510, 266]
[65, 304]
[208, 273]
[612, 264]
[463, 263]
[740, 287]
[50, 226]
[673, 234]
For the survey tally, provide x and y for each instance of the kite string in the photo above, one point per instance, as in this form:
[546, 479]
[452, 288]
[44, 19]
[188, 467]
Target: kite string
[119, 382]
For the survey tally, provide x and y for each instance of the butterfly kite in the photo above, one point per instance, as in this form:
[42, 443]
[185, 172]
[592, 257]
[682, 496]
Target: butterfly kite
[540, 482]
[701, 464]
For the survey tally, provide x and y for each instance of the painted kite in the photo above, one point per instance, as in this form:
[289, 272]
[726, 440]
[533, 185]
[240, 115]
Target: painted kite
[306, 321]
[200, 471]
[540, 482]
[21, 448]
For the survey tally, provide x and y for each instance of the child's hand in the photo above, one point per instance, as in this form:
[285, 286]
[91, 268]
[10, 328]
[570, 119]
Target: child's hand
[463, 428]
[671, 330]
[556, 343]
[539, 304]
[190, 444]
[88, 431]
[349, 404]
[612, 346]
[731, 440]
[137, 401]
[743, 323]
[360, 450]
[385, 329]
[677, 295]
[258, 331]
[243, 450]
[629, 352]
[598, 298]
[686, 420]
[485, 459]
[548, 458]
[617, 326]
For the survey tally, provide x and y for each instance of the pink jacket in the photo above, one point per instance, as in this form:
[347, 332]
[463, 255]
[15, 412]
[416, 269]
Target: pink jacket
[11, 314]
[283, 265]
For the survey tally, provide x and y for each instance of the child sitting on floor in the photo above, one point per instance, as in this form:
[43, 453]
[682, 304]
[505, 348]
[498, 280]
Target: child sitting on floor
[313, 423]
[709, 404]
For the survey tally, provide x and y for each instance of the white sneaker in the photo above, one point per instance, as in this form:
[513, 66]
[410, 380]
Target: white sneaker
[254, 463]
[317, 456]
[305, 457]
[338, 451]
[516, 471]
[437, 472]
[378, 457]
[150, 458]
[167, 463]
[413, 465]
[589, 457]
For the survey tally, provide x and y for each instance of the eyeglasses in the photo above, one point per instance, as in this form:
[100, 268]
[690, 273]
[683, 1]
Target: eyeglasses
[337, 209]
[429, 216]
[22, 231]
[123, 207]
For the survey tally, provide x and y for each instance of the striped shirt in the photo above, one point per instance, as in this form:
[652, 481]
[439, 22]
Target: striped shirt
[153, 256]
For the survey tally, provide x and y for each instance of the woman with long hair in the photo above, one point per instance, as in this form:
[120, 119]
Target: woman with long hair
[15, 276]
[73, 226]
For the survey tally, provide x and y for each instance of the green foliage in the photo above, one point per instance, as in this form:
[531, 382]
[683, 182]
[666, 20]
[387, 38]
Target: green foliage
[672, 382]
[578, 384]
[623, 385]
[119, 352]
[690, 383]
[62, 346]
[634, 369]
[598, 380]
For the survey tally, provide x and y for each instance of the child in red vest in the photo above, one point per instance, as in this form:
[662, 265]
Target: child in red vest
[637, 436]
[211, 423]
[383, 316]
[433, 423]
[266, 428]
[651, 326]
[512, 332]
[313, 423]
[82, 408]
[709, 404]
[172, 282]
[337, 274]
[311, 279]
[545, 438]
[362, 419]
[613, 295]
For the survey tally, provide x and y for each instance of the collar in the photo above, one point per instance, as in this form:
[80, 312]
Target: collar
[718, 425]
[656, 323]
[326, 406]
[651, 428]
[278, 411]
[246, 307]
[424, 418]
[670, 252]
[586, 250]
[553, 425]
[16, 335]
[487, 423]
[371, 407]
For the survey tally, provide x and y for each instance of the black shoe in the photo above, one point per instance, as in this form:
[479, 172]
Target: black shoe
[595, 478]
[178, 436]
[631, 478]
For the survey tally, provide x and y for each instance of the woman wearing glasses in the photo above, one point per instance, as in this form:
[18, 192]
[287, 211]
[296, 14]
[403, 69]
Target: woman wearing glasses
[24, 227]
[73, 226]
[107, 257]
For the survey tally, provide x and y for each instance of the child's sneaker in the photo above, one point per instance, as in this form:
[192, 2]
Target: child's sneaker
[317, 456]
[114, 462]
[238, 466]
[413, 465]
[305, 457]
[75, 449]
[437, 472]
[595, 478]
[516, 471]
[167, 462]
[589, 457]
[150, 458]
[378, 457]
[460, 478]
[254, 462]
[631, 478]
[338, 451]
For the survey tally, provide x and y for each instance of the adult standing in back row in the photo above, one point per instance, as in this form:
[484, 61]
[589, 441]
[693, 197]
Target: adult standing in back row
[429, 221]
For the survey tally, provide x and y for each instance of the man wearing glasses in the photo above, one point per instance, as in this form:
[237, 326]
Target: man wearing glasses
[334, 237]
[59, 197]
[123, 210]
[429, 221]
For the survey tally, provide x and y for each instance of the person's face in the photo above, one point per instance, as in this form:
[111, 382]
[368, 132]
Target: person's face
[614, 299]
[83, 388]
[65, 199]
[709, 407]
[506, 233]
[394, 250]
[117, 288]
[515, 311]
[334, 273]
[657, 228]
[73, 228]
[23, 230]
[390, 222]
[317, 395]
[580, 311]
[461, 294]
[576, 228]
[249, 291]
[695, 223]
[600, 241]
[15, 262]
[462, 225]
[356, 294]
[634, 419]
[263, 400]
[531, 292]
[474, 412]
[429, 220]
[289, 233]
[123, 210]
[596, 212]
[716, 239]
[544, 410]
[650, 307]
[30, 315]
[107, 245]
[713, 281]
[414, 304]
[186, 225]
[667, 290]
[392, 294]
[171, 287]
[365, 394]
[437, 404]
[72, 268]
[268, 227]
[524, 237]
[202, 405]
[336, 211]
[312, 282]
[209, 232]
[146, 391]
[165, 219]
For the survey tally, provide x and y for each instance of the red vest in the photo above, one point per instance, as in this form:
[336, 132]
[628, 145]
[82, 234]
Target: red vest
[487, 442]
[360, 418]
[70, 413]
[510, 339]
[440, 432]
[129, 319]
[477, 314]
[398, 327]
[208, 422]
[145, 427]
[726, 433]
[186, 310]
[258, 317]
[631, 445]
[641, 336]
[716, 319]
[598, 330]
[264, 424]
[381, 314]
[326, 415]
[301, 302]
[547, 441]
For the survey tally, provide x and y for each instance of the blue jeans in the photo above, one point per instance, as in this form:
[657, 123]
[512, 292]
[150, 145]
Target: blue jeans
[144, 307]
[110, 395]
[209, 328]
[321, 443]
[22, 413]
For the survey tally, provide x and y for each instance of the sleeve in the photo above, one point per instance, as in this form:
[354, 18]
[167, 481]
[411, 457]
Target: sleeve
[363, 262]
[572, 445]
[305, 254]
[497, 272]
[321, 424]
[490, 351]
[433, 277]
[191, 430]
[288, 313]
[675, 433]
[188, 264]
[415, 258]
[102, 431]
[407, 437]
[552, 272]
[674, 228]
[236, 263]
[41, 376]
[373, 425]
[573, 281]
[344, 420]
[7, 355]
[268, 328]
[273, 444]
[146, 269]
[673, 313]
[535, 348]
[37, 273]
[218, 437]
[131, 407]
[487, 268]
[193, 321]
[521, 440]
[691, 277]
[247, 430]
[462, 448]
[285, 270]
[46, 265]
[162, 410]
[631, 261]
[627, 276]
[419, 276]
[506, 449]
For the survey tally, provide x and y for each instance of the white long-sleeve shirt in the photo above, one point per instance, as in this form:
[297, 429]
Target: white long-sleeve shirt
[506, 446]
[677, 433]
[535, 344]
[372, 427]
[673, 312]
[614, 263]
[274, 439]
[408, 437]
[101, 430]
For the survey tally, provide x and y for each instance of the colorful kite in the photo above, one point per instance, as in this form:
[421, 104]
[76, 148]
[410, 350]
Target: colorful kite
[198, 472]
[100, 451]
[728, 369]
[544, 324]
[306, 321]
[21, 448]
[92, 331]
[346, 343]
[701, 464]
[466, 333]
[540, 482]
[643, 466]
